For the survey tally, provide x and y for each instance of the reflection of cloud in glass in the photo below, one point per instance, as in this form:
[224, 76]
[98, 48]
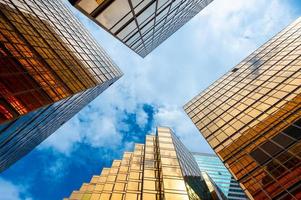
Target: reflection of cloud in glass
[255, 65]
[252, 120]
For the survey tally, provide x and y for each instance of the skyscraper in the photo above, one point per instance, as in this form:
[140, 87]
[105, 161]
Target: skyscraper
[141, 25]
[162, 168]
[50, 68]
[212, 165]
[251, 117]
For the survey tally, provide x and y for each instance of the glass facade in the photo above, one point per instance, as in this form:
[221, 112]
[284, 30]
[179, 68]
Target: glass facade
[162, 168]
[220, 175]
[50, 68]
[142, 25]
[251, 117]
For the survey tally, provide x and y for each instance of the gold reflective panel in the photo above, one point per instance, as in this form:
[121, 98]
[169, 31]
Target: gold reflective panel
[148, 174]
[251, 117]
[50, 68]
[42, 62]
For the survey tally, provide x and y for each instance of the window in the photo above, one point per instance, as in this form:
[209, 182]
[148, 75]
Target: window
[115, 12]
[293, 131]
[283, 140]
[259, 156]
[271, 148]
[149, 185]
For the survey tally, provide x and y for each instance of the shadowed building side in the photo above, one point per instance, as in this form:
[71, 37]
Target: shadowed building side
[50, 68]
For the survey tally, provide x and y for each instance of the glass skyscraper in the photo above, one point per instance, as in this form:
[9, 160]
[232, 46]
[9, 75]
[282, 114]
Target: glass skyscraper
[141, 25]
[251, 117]
[211, 164]
[162, 168]
[50, 68]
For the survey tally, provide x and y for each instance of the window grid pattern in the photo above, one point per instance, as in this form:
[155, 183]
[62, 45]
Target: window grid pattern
[251, 118]
[220, 175]
[172, 175]
[158, 174]
[50, 54]
[142, 25]
[19, 137]
[122, 181]
[152, 177]
[50, 68]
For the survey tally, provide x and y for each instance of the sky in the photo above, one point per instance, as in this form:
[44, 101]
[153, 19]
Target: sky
[151, 93]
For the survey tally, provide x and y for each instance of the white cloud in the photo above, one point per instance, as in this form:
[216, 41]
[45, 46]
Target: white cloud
[141, 118]
[56, 169]
[104, 134]
[9, 191]
[175, 118]
[64, 138]
[191, 59]
[98, 131]
[234, 28]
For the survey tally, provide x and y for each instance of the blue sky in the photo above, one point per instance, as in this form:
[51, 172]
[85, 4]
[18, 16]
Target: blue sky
[151, 93]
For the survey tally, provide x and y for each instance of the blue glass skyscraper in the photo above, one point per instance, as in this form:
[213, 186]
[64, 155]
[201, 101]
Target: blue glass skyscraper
[220, 175]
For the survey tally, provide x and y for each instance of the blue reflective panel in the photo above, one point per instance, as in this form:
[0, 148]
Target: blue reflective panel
[218, 172]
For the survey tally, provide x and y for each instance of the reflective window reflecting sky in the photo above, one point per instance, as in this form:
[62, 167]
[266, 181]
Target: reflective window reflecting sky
[151, 93]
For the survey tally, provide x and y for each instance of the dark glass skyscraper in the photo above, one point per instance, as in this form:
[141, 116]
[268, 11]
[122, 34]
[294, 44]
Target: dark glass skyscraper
[50, 68]
[251, 117]
[142, 25]
[160, 169]
[213, 166]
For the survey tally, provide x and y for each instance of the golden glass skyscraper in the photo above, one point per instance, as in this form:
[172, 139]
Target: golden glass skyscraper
[251, 117]
[142, 25]
[50, 68]
[162, 168]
